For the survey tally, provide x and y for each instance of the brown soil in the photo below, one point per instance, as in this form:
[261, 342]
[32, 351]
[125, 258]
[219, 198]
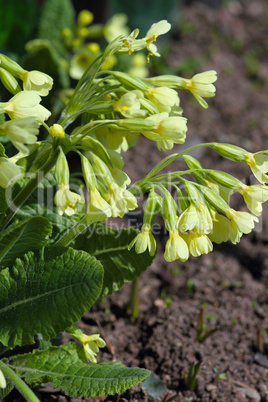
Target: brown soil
[232, 280]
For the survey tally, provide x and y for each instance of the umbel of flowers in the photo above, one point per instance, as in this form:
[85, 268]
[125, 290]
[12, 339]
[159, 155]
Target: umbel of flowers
[111, 110]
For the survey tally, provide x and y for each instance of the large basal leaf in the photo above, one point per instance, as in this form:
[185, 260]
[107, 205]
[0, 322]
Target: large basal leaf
[22, 237]
[110, 247]
[56, 15]
[45, 293]
[67, 368]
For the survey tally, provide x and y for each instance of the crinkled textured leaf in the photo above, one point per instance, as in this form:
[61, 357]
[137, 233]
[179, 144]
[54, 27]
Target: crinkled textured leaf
[110, 247]
[56, 15]
[67, 368]
[22, 237]
[45, 293]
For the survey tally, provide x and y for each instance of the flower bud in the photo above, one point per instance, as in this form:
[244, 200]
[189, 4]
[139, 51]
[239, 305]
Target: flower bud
[57, 131]
[9, 82]
[229, 151]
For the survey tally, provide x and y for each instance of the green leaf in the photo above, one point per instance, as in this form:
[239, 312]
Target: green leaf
[22, 237]
[56, 15]
[45, 293]
[44, 56]
[110, 247]
[67, 368]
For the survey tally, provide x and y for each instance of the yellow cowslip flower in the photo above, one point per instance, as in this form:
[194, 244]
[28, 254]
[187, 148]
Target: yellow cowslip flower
[66, 200]
[220, 230]
[9, 172]
[144, 240]
[167, 128]
[196, 219]
[240, 222]
[20, 132]
[164, 98]
[25, 104]
[57, 131]
[258, 162]
[121, 200]
[158, 28]
[198, 244]
[36, 81]
[119, 140]
[98, 209]
[129, 105]
[254, 196]
[138, 66]
[201, 86]
[176, 248]
[90, 343]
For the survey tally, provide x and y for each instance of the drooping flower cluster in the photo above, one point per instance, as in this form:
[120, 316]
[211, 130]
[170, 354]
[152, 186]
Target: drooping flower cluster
[202, 214]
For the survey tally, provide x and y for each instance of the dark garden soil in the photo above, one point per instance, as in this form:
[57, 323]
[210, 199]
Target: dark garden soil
[231, 282]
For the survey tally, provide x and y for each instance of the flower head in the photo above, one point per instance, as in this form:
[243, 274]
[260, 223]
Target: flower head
[240, 222]
[144, 240]
[220, 230]
[254, 196]
[90, 343]
[57, 131]
[195, 218]
[129, 105]
[25, 104]
[201, 86]
[158, 28]
[21, 131]
[176, 248]
[98, 209]
[164, 98]
[198, 244]
[36, 81]
[258, 163]
[167, 128]
[66, 200]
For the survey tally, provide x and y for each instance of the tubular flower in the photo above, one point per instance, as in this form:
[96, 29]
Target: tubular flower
[144, 240]
[164, 98]
[194, 218]
[176, 248]
[220, 230]
[90, 343]
[240, 222]
[258, 163]
[121, 200]
[167, 128]
[129, 105]
[254, 196]
[9, 172]
[197, 243]
[36, 81]
[66, 200]
[25, 104]
[21, 131]
[158, 28]
[98, 209]
[201, 86]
